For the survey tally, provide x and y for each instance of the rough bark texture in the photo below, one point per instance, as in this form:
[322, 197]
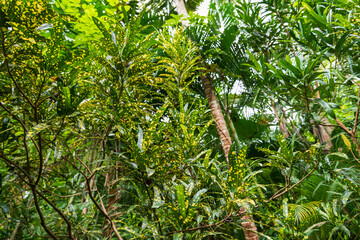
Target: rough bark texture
[281, 121]
[249, 235]
[180, 8]
[111, 207]
[217, 115]
[220, 125]
[211, 96]
[323, 133]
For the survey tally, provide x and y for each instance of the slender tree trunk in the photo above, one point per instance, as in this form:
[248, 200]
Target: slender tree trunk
[249, 235]
[323, 133]
[217, 115]
[181, 9]
[211, 96]
[221, 127]
[281, 121]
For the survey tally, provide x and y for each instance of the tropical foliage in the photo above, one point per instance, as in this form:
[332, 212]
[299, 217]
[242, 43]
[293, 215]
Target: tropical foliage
[113, 119]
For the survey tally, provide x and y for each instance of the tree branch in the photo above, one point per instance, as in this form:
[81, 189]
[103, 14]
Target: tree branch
[276, 195]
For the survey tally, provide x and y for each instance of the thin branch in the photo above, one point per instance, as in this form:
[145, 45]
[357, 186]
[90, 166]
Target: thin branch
[283, 25]
[61, 196]
[10, 73]
[18, 167]
[288, 189]
[353, 217]
[350, 133]
[103, 211]
[204, 226]
[151, 202]
[26, 148]
[58, 211]
[13, 234]
[43, 224]
[21, 123]
[41, 160]
[57, 133]
[356, 115]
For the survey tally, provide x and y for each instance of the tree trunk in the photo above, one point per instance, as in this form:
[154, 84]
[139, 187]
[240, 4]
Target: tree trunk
[281, 121]
[249, 235]
[217, 115]
[221, 127]
[209, 90]
[181, 9]
[323, 133]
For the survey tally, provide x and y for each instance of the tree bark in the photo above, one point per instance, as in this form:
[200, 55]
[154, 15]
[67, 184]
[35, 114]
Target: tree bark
[210, 94]
[323, 133]
[181, 9]
[217, 115]
[221, 127]
[249, 235]
[281, 121]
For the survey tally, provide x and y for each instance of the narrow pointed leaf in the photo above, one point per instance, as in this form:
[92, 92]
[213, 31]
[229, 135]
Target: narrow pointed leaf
[113, 38]
[292, 68]
[346, 141]
[58, 152]
[180, 194]
[157, 202]
[341, 42]
[326, 107]
[140, 139]
[36, 129]
[318, 18]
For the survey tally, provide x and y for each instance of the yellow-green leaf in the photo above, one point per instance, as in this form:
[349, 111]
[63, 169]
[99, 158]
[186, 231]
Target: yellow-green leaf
[36, 129]
[346, 141]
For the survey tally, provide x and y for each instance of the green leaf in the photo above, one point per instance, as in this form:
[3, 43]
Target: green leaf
[67, 96]
[180, 194]
[345, 229]
[36, 129]
[196, 197]
[334, 205]
[158, 202]
[346, 141]
[113, 38]
[339, 154]
[341, 42]
[140, 139]
[315, 226]
[203, 130]
[312, 76]
[5, 207]
[326, 107]
[237, 168]
[285, 208]
[178, 236]
[106, 34]
[124, 10]
[58, 152]
[318, 18]
[150, 171]
[81, 125]
[152, 128]
[345, 196]
[297, 72]
[257, 66]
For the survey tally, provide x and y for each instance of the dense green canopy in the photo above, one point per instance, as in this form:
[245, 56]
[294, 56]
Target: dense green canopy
[124, 120]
